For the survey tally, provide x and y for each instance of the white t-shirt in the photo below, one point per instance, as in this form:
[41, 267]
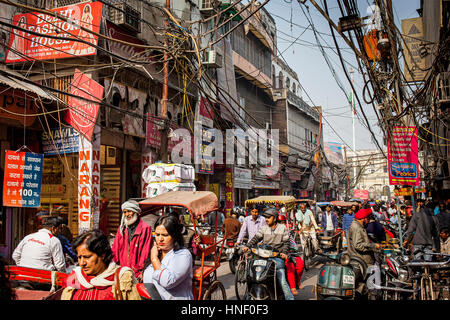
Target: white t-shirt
[40, 250]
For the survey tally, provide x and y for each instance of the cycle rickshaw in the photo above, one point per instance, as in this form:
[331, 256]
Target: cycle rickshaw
[198, 204]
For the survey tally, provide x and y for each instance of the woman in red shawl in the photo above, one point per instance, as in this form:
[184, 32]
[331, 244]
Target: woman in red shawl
[98, 277]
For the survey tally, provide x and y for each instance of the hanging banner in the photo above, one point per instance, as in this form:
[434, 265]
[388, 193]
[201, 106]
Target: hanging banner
[89, 182]
[22, 180]
[403, 156]
[60, 141]
[83, 114]
[361, 194]
[229, 189]
[53, 38]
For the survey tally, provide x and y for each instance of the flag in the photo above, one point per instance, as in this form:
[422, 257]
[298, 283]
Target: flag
[351, 100]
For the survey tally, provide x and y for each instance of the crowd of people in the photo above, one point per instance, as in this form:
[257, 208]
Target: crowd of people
[159, 254]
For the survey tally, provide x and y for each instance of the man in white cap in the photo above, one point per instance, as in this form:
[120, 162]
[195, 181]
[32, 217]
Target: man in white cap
[133, 241]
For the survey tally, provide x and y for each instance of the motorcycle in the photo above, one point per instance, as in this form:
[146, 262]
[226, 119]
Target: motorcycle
[261, 277]
[390, 279]
[231, 254]
[342, 277]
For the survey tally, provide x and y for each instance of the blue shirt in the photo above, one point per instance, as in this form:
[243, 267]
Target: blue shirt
[347, 221]
[174, 280]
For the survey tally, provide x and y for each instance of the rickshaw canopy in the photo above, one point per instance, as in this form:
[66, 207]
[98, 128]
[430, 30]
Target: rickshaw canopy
[343, 203]
[198, 203]
[288, 201]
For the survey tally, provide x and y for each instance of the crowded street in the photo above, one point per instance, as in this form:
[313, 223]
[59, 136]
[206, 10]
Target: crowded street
[233, 157]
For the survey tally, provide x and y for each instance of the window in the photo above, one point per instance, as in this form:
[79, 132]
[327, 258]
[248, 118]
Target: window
[294, 89]
[280, 80]
[288, 83]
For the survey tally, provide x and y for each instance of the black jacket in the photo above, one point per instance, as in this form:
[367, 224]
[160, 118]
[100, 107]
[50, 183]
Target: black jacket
[423, 228]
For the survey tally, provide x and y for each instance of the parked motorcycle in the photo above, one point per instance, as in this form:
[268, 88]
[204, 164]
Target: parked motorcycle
[261, 277]
[390, 279]
[342, 277]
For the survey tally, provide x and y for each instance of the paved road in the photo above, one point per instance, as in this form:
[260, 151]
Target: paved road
[309, 279]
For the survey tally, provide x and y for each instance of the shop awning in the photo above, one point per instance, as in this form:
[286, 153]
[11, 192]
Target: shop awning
[16, 81]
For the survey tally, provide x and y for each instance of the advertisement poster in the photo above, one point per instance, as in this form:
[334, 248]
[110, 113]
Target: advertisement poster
[22, 181]
[60, 141]
[229, 188]
[403, 156]
[83, 114]
[50, 37]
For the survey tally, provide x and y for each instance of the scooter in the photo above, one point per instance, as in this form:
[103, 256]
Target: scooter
[262, 282]
[148, 291]
[342, 277]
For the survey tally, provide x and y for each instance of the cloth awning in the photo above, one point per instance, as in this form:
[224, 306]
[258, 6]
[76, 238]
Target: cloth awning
[13, 79]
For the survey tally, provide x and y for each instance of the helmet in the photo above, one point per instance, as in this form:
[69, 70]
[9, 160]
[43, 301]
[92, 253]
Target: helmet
[270, 212]
[281, 217]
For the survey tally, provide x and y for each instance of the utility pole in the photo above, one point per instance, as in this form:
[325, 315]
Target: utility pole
[353, 126]
[165, 93]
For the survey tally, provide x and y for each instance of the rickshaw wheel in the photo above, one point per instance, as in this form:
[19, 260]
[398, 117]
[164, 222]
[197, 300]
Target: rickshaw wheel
[240, 280]
[216, 291]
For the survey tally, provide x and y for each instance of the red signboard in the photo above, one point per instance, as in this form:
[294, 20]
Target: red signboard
[49, 37]
[361, 194]
[83, 114]
[229, 189]
[403, 156]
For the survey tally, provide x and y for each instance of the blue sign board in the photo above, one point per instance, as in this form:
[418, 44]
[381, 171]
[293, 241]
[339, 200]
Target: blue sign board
[60, 141]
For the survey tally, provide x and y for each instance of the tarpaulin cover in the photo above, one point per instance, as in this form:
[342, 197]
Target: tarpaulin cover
[199, 203]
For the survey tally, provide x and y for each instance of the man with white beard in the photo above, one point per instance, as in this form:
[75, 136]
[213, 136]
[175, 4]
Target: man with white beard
[133, 241]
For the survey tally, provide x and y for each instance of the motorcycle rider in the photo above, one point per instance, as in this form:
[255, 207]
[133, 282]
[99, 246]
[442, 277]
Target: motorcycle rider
[307, 224]
[42, 249]
[277, 236]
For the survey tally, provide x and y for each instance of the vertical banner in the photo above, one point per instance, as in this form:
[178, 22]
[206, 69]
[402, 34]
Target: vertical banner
[89, 182]
[403, 156]
[22, 180]
[82, 114]
[229, 189]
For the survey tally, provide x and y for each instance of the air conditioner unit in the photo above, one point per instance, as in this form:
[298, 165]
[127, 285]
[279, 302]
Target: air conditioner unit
[207, 6]
[212, 59]
[126, 16]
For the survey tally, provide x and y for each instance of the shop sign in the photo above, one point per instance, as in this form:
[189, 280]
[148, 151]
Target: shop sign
[266, 184]
[360, 194]
[242, 178]
[206, 112]
[403, 156]
[42, 45]
[229, 189]
[206, 165]
[403, 192]
[153, 132]
[12, 103]
[22, 180]
[82, 114]
[60, 141]
[89, 182]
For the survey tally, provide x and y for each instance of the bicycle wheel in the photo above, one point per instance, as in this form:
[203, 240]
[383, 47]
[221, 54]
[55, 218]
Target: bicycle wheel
[240, 280]
[216, 291]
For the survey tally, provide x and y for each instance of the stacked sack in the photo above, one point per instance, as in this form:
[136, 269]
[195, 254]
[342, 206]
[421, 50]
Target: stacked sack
[166, 177]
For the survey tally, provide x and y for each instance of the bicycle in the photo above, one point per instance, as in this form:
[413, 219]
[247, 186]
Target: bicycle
[240, 276]
[308, 250]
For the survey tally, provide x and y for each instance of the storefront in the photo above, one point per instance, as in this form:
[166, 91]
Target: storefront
[242, 185]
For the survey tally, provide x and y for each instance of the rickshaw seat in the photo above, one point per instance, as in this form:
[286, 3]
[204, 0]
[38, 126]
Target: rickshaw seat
[197, 272]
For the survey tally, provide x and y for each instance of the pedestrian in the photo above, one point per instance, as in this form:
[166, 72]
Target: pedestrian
[170, 265]
[358, 240]
[347, 220]
[444, 241]
[232, 226]
[375, 230]
[98, 277]
[277, 236]
[133, 240]
[329, 222]
[423, 232]
[251, 225]
[42, 249]
[443, 218]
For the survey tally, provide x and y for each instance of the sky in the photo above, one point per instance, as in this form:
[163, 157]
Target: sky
[316, 78]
